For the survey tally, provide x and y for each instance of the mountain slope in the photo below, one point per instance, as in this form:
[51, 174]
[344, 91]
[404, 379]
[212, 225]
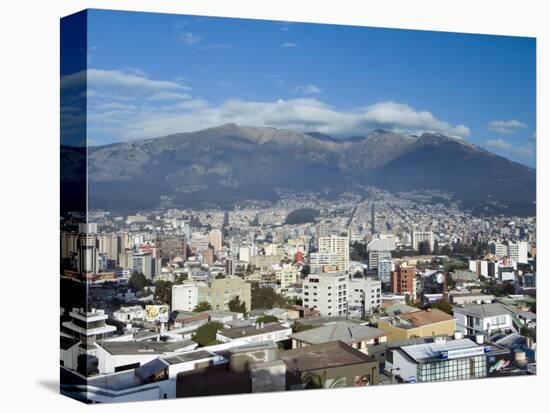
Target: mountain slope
[220, 166]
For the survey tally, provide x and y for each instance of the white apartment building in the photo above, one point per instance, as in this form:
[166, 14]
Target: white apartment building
[498, 248]
[340, 246]
[365, 294]
[517, 251]
[483, 319]
[318, 260]
[327, 293]
[185, 297]
[420, 236]
[287, 275]
[215, 239]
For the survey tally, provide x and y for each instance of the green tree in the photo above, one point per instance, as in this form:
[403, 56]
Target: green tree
[236, 305]
[297, 327]
[424, 248]
[219, 276]
[267, 298]
[202, 306]
[443, 305]
[163, 292]
[267, 319]
[206, 334]
[320, 381]
[137, 281]
[181, 279]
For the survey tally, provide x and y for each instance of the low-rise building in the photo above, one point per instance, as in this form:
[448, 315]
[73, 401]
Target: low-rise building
[421, 323]
[485, 319]
[255, 334]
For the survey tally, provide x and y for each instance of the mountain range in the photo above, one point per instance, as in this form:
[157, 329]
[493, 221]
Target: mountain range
[223, 165]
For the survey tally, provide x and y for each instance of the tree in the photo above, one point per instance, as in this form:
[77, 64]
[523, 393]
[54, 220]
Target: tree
[219, 276]
[163, 291]
[320, 381]
[137, 281]
[267, 319]
[444, 306]
[205, 335]
[297, 327]
[529, 332]
[436, 247]
[236, 305]
[267, 298]
[424, 248]
[181, 279]
[202, 306]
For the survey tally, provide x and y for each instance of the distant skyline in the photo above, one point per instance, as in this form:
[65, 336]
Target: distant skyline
[154, 74]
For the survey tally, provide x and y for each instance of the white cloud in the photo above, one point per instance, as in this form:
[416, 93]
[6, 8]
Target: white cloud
[305, 114]
[506, 127]
[189, 38]
[307, 89]
[500, 145]
[289, 45]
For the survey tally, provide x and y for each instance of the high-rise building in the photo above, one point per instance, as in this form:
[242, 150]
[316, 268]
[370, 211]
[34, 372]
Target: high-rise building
[498, 248]
[142, 263]
[340, 246]
[385, 267]
[376, 256]
[403, 280]
[422, 236]
[365, 293]
[320, 260]
[326, 293]
[215, 239]
[517, 251]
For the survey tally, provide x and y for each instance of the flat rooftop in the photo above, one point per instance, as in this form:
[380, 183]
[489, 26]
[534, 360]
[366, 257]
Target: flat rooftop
[345, 331]
[144, 347]
[322, 356]
[239, 332]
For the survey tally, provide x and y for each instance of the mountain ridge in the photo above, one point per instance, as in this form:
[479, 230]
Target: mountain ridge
[228, 163]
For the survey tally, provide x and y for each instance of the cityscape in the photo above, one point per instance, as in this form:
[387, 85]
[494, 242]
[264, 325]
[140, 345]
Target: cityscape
[213, 252]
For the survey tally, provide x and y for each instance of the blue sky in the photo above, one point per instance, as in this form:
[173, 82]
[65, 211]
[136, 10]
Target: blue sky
[154, 74]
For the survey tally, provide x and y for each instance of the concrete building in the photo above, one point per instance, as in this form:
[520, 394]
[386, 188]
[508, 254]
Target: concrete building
[385, 268]
[257, 333]
[338, 245]
[439, 360]
[326, 293]
[420, 323]
[376, 256]
[517, 251]
[383, 242]
[319, 260]
[287, 275]
[364, 294]
[335, 359]
[499, 249]
[422, 236]
[403, 280]
[485, 319]
[217, 293]
[356, 335]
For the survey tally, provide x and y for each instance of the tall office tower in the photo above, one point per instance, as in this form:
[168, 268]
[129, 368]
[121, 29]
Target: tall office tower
[339, 245]
[215, 239]
[326, 293]
[319, 260]
[499, 249]
[403, 280]
[376, 256]
[323, 230]
[421, 236]
[87, 254]
[517, 251]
